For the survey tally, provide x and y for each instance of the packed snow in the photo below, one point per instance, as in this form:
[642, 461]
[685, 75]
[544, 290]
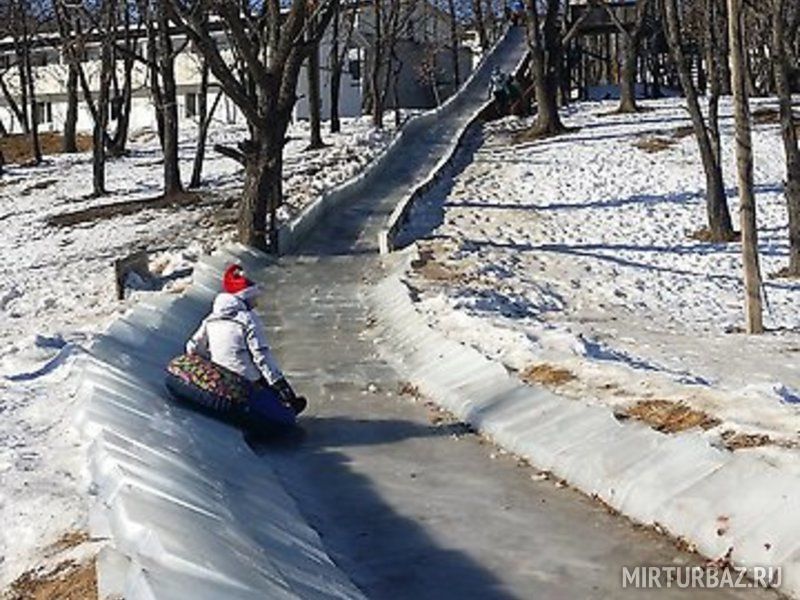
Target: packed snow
[576, 252]
[57, 291]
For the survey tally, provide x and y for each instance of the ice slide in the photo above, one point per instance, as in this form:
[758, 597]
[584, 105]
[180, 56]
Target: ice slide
[376, 501]
[188, 509]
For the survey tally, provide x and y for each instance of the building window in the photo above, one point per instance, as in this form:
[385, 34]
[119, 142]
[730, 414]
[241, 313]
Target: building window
[40, 58]
[191, 105]
[5, 61]
[92, 53]
[43, 113]
[230, 111]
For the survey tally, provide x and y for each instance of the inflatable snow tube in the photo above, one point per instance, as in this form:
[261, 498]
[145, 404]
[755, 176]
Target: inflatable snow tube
[217, 392]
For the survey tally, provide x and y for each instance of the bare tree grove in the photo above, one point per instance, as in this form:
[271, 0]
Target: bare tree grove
[251, 55]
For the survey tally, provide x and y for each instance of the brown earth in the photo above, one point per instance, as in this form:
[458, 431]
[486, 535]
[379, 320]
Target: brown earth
[546, 374]
[704, 235]
[68, 580]
[117, 209]
[669, 417]
[654, 144]
[71, 539]
[16, 148]
[428, 267]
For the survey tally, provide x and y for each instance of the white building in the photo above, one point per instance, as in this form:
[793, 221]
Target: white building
[425, 34]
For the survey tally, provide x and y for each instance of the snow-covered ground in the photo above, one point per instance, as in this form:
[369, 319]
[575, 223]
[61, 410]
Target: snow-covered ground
[576, 253]
[57, 291]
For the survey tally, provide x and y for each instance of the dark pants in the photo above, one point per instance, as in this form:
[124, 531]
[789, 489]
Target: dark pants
[267, 403]
[501, 103]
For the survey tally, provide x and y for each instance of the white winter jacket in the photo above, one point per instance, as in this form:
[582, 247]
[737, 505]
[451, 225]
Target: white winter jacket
[233, 336]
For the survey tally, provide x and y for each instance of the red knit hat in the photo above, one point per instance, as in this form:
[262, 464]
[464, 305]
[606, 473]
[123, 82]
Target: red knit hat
[234, 281]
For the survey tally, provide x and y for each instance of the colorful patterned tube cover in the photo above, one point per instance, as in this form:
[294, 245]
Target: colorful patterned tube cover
[198, 380]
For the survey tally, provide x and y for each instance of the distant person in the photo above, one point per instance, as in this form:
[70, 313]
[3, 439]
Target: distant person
[499, 91]
[517, 12]
[233, 337]
[514, 96]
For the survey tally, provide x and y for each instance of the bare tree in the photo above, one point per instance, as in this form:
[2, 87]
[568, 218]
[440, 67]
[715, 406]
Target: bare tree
[314, 97]
[204, 117]
[28, 28]
[390, 19]
[23, 25]
[632, 42]
[70, 135]
[785, 25]
[272, 48]
[715, 20]
[546, 52]
[480, 24]
[122, 100]
[161, 53]
[100, 131]
[718, 214]
[70, 51]
[11, 101]
[340, 47]
[744, 159]
[454, 41]
[102, 21]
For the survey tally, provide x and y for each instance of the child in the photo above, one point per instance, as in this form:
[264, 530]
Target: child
[233, 337]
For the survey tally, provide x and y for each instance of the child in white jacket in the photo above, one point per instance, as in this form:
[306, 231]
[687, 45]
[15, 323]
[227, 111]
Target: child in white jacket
[233, 337]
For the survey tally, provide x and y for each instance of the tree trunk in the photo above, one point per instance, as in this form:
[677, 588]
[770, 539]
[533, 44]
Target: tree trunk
[120, 141]
[36, 147]
[101, 115]
[454, 44]
[744, 160]
[314, 99]
[716, 54]
[781, 73]
[336, 70]
[22, 71]
[545, 55]
[70, 142]
[480, 25]
[719, 218]
[169, 108]
[11, 103]
[632, 42]
[396, 90]
[627, 83]
[153, 56]
[204, 120]
[263, 190]
[655, 73]
[377, 54]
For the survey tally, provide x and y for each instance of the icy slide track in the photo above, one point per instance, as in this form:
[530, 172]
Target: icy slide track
[188, 509]
[375, 501]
